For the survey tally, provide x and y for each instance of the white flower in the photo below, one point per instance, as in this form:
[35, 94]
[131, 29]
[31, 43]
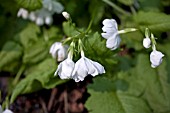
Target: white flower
[58, 51]
[84, 67]
[111, 34]
[23, 13]
[66, 15]
[147, 42]
[6, 110]
[156, 58]
[65, 69]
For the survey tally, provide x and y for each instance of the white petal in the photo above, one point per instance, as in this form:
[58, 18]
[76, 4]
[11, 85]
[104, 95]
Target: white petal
[146, 42]
[65, 69]
[54, 48]
[32, 16]
[156, 58]
[99, 67]
[113, 42]
[48, 20]
[110, 23]
[107, 35]
[39, 21]
[61, 54]
[0, 109]
[80, 70]
[109, 29]
[7, 111]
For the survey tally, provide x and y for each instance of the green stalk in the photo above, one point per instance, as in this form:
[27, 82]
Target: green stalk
[17, 77]
[119, 9]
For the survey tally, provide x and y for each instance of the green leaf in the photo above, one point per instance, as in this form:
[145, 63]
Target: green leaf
[110, 101]
[150, 5]
[69, 30]
[127, 2]
[41, 77]
[157, 22]
[28, 36]
[35, 53]
[30, 4]
[10, 54]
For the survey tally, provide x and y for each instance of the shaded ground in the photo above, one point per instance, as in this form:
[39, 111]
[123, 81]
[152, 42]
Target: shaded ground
[66, 98]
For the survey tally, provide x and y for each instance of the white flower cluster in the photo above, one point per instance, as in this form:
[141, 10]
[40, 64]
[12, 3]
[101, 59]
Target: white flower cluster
[111, 34]
[67, 69]
[43, 15]
[155, 56]
[5, 111]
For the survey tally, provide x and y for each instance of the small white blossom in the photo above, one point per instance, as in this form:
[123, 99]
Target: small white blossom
[110, 30]
[147, 42]
[23, 13]
[58, 51]
[32, 16]
[84, 67]
[156, 58]
[39, 21]
[48, 20]
[66, 15]
[65, 69]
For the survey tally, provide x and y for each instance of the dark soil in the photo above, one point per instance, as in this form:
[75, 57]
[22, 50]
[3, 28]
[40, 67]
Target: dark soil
[66, 98]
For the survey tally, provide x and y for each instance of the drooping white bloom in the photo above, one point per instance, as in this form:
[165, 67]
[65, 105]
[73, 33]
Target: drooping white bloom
[65, 68]
[58, 51]
[110, 30]
[84, 67]
[147, 42]
[23, 13]
[66, 15]
[156, 58]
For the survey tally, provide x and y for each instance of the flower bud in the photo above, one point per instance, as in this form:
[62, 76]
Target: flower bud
[156, 58]
[66, 15]
[147, 42]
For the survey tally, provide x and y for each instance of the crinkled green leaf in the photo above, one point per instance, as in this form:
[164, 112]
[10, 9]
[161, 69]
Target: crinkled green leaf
[30, 4]
[35, 53]
[151, 84]
[110, 101]
[41, 77]
[28, 36]
[10, 53]
[153, 20]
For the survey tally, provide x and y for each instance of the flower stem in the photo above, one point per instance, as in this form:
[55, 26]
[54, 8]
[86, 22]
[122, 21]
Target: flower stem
[119, 9]
[22, 68]
[153, 42]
